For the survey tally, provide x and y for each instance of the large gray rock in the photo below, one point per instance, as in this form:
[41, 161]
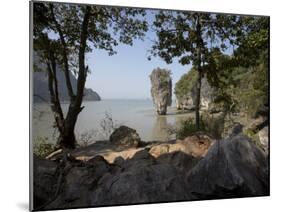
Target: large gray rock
[125, 136]
[144, 179]
[141, 179]
[79, 183]
[44, 178]
[233, 167]
[161, 90]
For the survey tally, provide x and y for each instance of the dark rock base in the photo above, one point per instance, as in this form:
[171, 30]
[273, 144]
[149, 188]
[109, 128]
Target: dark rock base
[232, 168]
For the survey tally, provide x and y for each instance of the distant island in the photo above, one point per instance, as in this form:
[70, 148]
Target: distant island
[41, 92]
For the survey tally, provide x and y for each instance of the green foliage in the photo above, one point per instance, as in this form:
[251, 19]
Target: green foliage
[164, 77]
[254, 137]
[108, 26]
[214, 124]
[242, 79]
[188, 128]
[243, 89]
[42, 148]
[253, 42]
[249, 132]
[186, 83]
[254, 93]
[182, 34]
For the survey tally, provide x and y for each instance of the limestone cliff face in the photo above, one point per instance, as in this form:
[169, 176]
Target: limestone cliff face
[185, 92]
[185, 102]
[161, 90]
[40, 85]
[40, 88]
[206, 95]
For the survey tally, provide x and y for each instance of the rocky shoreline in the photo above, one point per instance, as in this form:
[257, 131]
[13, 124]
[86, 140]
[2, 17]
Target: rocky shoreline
[115, 172]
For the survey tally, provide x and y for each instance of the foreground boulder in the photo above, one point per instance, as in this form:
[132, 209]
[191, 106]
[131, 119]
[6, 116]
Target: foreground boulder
[125, 136]
[80, 181]
[45, 176]
[196, 146]
[144, 179]
[233, 167]
[161, 90]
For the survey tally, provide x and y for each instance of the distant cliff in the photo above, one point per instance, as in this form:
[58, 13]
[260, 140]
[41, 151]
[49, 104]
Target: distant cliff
[41, 92]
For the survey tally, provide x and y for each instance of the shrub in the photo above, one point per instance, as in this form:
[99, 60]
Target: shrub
[254, 136]
[185, 84]
[108, 125]
[243, 89]
[214, 124]
[87, 137]
[42, 148]
[188, 128]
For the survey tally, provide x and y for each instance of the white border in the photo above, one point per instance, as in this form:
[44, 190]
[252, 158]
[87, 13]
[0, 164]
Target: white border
[14, 103]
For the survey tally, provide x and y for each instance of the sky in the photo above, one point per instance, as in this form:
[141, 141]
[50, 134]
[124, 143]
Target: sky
[125, 75]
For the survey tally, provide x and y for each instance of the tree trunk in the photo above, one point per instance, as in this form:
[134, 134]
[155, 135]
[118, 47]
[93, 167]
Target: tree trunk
[67, 137]
[53, 89]
[197, 100]
[199, 70]
[66, 125]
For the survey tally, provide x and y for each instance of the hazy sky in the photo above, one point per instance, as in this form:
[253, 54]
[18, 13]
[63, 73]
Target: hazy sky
[126, 74]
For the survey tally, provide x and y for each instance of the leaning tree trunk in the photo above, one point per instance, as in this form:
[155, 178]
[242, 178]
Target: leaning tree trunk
[66, 131]
[66, 125]
[67, 136]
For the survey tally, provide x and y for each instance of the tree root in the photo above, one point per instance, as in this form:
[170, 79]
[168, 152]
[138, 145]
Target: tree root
[50, 156]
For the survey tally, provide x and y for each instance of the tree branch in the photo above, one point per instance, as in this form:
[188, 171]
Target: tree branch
[64, 54]
[55, 84]
[55, 105]
[82, 69]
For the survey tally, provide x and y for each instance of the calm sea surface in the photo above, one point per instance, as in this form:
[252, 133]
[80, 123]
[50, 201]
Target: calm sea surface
[137, 114]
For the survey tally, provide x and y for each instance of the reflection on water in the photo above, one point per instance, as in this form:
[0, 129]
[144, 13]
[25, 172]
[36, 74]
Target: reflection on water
[161, 129]
[137, 114]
